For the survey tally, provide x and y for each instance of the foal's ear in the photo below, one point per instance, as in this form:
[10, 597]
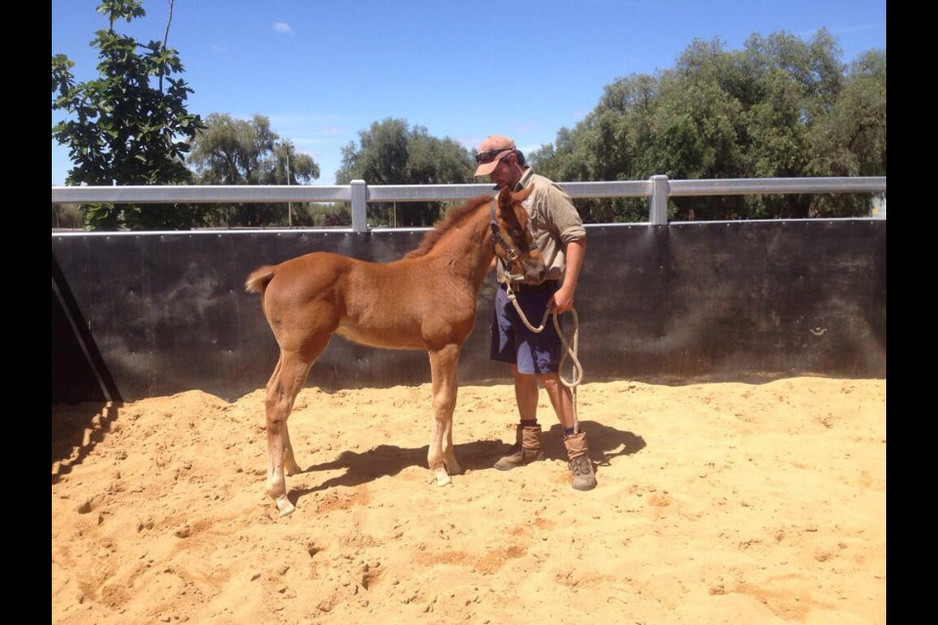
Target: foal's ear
[522, 195]
[504, 195]
[506, 198]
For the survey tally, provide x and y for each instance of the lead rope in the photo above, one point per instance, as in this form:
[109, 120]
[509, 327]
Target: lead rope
[569, 350]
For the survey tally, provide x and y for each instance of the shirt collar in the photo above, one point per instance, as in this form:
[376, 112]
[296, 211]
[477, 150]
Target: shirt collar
[525, 178]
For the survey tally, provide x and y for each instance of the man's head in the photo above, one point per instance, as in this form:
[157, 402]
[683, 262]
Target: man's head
[492, 152]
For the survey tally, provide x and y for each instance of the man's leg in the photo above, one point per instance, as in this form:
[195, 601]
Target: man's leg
[527, 447]
[561, 398]
[526, 394]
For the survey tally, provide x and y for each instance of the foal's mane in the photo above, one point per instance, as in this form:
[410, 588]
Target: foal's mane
[444, 225]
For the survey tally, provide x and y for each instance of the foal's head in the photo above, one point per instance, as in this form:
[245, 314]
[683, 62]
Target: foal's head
[513, 237]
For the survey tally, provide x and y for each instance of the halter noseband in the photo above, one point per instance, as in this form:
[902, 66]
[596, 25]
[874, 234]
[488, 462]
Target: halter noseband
[512, 253]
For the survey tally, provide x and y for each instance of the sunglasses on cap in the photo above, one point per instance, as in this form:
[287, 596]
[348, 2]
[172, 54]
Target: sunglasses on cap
[487, 157]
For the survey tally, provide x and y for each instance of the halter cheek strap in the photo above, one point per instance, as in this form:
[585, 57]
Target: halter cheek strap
[512, 253]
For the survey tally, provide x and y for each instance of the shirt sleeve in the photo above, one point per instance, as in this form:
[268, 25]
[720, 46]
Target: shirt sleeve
[564, 216]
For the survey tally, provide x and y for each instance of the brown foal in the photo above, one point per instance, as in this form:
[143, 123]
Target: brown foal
[425, 300]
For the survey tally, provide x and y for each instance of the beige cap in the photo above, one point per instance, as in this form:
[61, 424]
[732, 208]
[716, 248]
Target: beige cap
[492, 150]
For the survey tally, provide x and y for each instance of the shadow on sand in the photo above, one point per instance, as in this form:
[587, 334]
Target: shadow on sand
[76, 429]
[606, 443]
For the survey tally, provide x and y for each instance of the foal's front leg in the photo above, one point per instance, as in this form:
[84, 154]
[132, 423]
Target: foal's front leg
[441, 458]
[290, 466]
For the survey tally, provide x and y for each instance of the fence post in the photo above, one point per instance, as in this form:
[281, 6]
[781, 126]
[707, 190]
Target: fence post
[658, 203]
[359, 193]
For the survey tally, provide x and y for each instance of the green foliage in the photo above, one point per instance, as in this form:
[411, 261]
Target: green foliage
[851, 139]
[337, 218]
[231, 151]
[391, 152]
[67, 216]
[778, 108]
[129, 126]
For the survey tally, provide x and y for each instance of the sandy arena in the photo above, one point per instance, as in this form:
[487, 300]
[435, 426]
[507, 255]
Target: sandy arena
[718, 503]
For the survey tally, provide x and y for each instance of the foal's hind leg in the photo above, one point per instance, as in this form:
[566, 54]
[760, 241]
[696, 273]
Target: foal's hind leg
[444, 366]
[287, 381]
[290, 466]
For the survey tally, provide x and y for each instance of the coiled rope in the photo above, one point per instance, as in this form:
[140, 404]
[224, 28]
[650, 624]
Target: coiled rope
[570, 348]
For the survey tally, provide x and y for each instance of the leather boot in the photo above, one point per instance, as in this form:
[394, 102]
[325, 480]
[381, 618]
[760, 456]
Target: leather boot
[527, 448]
[584, 476]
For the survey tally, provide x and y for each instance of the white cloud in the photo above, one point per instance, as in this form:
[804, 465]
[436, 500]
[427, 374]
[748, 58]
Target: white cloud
[282, 27]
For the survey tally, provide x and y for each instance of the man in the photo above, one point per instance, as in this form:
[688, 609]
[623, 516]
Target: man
[534, 358]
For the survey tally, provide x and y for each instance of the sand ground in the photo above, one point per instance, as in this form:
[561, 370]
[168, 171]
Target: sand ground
[718, 503]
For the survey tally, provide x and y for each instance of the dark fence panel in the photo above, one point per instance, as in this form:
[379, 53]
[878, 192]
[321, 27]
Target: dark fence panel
[76, 363]
[160, 313]
[737, 300]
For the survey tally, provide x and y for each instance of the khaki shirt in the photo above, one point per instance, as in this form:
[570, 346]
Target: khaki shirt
[554, 220]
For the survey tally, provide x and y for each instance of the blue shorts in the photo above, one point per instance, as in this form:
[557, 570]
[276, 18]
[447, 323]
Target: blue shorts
[514, 343]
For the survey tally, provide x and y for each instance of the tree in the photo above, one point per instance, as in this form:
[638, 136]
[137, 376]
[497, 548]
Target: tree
[130, 126]
[851, 139]
[781, 107]
[231, 151]
[391, 152]
[66, 216]
[606, 145]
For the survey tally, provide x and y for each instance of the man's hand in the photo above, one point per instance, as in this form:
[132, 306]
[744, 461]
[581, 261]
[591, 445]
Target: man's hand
[562, 300]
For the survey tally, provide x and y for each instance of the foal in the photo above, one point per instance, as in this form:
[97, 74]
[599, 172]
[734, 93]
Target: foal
[425, 300]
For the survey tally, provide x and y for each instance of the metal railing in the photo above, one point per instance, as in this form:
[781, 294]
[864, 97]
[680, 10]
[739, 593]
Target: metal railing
[657, 189]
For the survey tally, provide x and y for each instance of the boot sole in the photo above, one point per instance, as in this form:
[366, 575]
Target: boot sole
[583, 487]
[508, 467]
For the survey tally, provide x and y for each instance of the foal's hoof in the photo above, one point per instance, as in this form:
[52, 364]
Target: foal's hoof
[442, 478]
[284, 506]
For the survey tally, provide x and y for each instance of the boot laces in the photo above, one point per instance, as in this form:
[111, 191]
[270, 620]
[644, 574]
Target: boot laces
[581, 465]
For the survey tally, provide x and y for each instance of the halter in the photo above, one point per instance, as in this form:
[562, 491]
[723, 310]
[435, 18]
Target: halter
[512, 253]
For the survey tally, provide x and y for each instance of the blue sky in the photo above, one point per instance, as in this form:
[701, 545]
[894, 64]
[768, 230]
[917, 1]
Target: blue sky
[323, 71]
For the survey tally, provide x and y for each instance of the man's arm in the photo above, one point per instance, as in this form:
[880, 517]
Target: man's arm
[563, 298]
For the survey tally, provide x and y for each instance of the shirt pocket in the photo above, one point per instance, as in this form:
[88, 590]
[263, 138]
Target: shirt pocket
[536, 218]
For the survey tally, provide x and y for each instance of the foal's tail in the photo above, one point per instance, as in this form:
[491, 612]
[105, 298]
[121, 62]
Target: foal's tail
[259, 279]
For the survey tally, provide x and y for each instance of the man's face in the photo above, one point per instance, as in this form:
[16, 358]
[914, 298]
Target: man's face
[503, 172]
